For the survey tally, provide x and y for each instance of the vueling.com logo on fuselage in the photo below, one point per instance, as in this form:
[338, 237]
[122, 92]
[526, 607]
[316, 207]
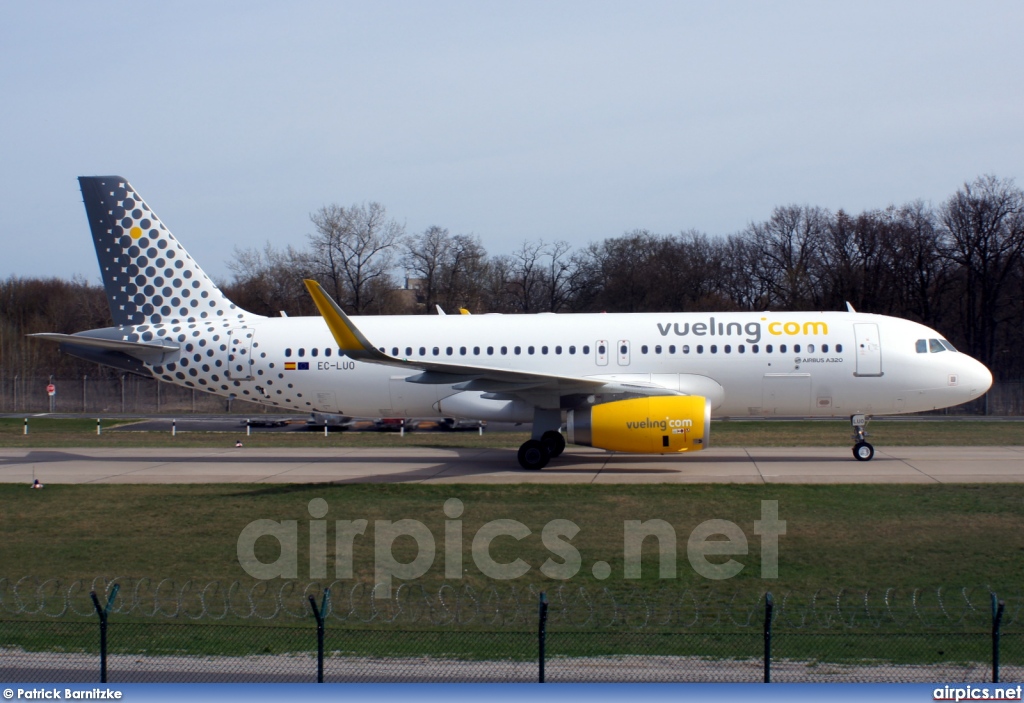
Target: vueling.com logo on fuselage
[663, 425]
[752, 330]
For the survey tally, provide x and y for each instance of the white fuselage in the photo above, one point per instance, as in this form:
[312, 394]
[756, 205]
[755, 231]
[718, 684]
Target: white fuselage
[750, 364]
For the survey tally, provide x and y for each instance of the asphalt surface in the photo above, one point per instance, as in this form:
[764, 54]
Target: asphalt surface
[576, 465]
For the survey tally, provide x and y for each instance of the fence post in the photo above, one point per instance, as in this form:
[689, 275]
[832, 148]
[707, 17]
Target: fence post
[25, 431]
[99, 428]
[769, 606]
[104, 614]
[320, 615]
[997, 619]
[542, 635]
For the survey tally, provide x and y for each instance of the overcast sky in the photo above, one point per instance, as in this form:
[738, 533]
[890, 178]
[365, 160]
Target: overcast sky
[514, 121]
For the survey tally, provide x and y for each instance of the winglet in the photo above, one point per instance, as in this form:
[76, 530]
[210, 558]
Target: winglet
[350, 340]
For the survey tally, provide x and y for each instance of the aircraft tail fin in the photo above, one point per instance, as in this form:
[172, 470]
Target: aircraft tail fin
[148, 275]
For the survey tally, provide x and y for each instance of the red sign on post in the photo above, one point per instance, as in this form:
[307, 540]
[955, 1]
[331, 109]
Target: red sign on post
[51, 389]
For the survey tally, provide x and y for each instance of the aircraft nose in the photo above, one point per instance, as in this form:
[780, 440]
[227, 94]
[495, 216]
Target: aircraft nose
[978, 377]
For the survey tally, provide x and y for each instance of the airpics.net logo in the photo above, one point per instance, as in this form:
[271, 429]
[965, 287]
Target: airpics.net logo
[712, 547]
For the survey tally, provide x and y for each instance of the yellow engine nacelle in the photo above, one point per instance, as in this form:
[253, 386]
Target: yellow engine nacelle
[652, 425]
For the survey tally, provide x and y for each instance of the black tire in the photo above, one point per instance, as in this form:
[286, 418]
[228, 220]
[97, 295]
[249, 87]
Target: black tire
[533, 455]
[555, 443]
[862, 451]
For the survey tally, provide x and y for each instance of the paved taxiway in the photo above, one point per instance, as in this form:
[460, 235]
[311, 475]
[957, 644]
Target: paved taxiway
[577, 465]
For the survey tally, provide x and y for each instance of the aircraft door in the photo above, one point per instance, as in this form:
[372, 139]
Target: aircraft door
[623, 352]
[240, 354]
[869, 349]
[601, 352]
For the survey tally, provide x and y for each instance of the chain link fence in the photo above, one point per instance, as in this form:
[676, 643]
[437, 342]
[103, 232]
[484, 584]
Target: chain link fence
[141, 630]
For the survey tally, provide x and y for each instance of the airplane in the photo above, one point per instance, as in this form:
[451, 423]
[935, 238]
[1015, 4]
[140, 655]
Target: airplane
[631, 382]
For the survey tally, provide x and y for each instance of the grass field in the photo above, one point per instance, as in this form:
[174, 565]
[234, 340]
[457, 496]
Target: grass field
[51, 433]
[857, 536]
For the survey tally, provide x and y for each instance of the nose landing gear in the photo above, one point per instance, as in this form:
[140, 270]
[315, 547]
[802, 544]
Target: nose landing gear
[862, 450]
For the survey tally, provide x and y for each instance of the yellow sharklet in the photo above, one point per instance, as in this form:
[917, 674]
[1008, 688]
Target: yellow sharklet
[350, 340]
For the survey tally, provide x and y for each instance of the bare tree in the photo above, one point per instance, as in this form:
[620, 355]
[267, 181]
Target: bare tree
[268, 280]
[788, 245]
[450, 267]
[353, 250]
[983, 233]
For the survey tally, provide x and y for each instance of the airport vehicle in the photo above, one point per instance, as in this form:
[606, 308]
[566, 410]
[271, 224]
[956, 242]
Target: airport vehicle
[638, 382]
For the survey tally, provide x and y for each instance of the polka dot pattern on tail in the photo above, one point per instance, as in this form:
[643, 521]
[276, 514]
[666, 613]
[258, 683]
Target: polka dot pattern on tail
[147, 274]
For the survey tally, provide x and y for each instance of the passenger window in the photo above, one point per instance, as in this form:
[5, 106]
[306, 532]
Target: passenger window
[671, 348]
[686, 348]
[287, 352]
[448, 351]
[623, 350]
[302, 352]
[921, 346]
[462, 351]
[518, 350]
[728, 349]
[810, 348]
[782, 348]
[839, 349]
[490, 351]
[824, 349]
[643, 349]
[529, 350]
[558, 350]
[423, 351]
[600, 349]
[394, 351]
[755, 349]
[327, 351]
[768, 349]
[408, 351]
[741, 349]
[936, 346]
[586, 348]
[572, 349]
[700, 348]
[796, 348]
[504, 351]
[476, 351]
[657, 348]
[314, 352]
[714, 348]
[543, 350]
[437, 351]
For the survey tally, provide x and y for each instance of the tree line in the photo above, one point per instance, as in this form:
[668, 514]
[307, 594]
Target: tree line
[957, 267]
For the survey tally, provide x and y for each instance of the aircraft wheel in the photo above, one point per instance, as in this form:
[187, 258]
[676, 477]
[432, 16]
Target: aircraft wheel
[555, 443]
[533, 455]
[862, 451]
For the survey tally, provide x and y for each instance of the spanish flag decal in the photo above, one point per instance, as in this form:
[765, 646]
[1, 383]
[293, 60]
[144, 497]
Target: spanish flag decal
[289, 366]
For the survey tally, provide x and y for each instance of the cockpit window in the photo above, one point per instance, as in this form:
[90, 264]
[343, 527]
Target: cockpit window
[922, 346]
[935, 346]
[947, 345]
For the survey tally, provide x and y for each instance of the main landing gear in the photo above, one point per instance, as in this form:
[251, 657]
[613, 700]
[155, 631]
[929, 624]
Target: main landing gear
[862, 450]
[546, 443]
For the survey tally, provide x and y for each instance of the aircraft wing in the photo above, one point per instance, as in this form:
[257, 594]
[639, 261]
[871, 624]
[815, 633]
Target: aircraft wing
[467, 377]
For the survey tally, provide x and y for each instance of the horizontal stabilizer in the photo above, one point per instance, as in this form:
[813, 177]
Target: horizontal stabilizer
[145, 351]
